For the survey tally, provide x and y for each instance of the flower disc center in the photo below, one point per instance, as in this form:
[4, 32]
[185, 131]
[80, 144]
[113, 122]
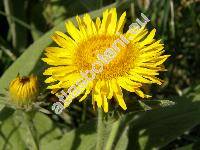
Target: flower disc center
[119, 65]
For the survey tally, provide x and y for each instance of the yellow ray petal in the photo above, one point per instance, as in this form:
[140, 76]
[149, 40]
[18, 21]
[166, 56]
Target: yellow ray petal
[152, 47]
[105, 21]
[118, 94]
[112, 25]
[58, 51]
[154, 79]
[141, 94]
[69, 77]
[88, 90]
[97, 94]
[63, 70]
[138, 35]
[141, 70]
[74, 32]
[128, 84]
[149, 38]
[49, 80]
[105, 104]
[151, 55]
[138, 78]
[50, 70]
[162, 60]
[91, 29]
[121, 22]
[61, 62]
[55, 86]
[98, 24]
[110, 93]
[64, 42]
[82, 26]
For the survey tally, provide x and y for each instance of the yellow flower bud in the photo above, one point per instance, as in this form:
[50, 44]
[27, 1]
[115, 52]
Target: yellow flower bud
[23, 90]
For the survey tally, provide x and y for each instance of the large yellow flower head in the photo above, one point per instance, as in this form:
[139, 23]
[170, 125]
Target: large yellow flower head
[129, 59]
[23, 90]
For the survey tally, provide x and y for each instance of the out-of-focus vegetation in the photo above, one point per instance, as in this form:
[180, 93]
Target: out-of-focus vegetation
[25, 30]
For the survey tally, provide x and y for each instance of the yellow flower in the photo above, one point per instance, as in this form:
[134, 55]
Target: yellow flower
[134, 62]
[23, 90]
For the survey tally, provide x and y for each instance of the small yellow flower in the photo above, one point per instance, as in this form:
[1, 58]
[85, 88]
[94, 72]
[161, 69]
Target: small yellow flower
[23, 90]
[136, 62]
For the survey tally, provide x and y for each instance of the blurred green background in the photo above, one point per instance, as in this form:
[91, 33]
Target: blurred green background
[25, 30]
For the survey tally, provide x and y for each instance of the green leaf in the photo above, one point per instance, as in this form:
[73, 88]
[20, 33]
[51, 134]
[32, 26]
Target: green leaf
[5, 113]
[120, 141]
[123, 140]
[144, 106]
[82, 138]
[156, 128]
[22, 131]
[25, 130]
[10, 137]
[45, 129]
[187, 147]
[85, 137]
[157, 103]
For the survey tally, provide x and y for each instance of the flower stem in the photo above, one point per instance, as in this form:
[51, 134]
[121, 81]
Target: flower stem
[113, 134]
[100, 130]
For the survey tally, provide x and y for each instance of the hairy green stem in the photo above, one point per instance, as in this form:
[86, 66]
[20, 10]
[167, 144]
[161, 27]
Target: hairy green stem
[100, 130]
